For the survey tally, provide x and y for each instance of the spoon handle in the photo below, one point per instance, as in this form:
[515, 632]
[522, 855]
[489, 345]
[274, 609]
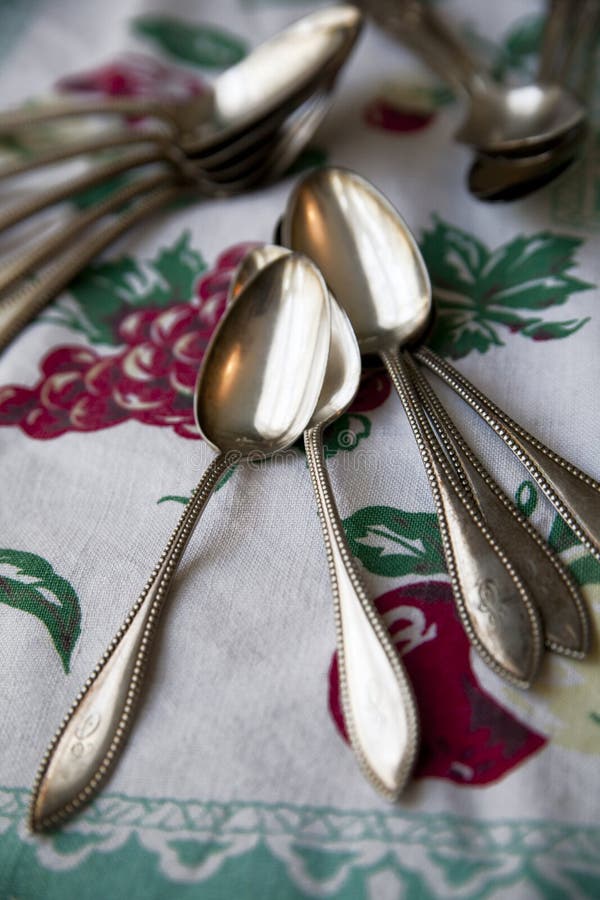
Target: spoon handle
[377, 699]
[500, 620]
[552, 47]
[575, 495]
[92, 734]
[564, 614]
[23, 304]
[89, 145]
[30, 259]
[417, 24]
[15, 120]
[69, 188]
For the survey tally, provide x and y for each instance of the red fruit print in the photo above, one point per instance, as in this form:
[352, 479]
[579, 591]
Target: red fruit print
[381, 113]
[150, 378]
[134, 75]
[466, 736]
[373, 391]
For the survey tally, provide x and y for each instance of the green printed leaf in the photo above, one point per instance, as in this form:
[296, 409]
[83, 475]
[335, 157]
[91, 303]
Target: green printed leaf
[310, 158]
[479, 292]
[392, 542]
[561, 537]
[177, 498]
[346, 433]
[99, 192]
[29, 583]
[198, 45]
[106, 290]
[586, 570]
[520, 47]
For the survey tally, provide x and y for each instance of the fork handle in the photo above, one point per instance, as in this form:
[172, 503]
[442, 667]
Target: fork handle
[575, 495]
[69, 188]
[92, 734]
[15, 120]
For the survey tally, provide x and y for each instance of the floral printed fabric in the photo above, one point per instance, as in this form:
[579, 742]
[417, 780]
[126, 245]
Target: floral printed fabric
[237, 780]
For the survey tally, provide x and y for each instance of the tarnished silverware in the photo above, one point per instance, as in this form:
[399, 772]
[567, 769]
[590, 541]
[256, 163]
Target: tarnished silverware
[564, 614]
[283, 318]
[373, 266]
[379, 707]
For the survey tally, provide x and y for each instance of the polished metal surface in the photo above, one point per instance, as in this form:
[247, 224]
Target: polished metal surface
[574, 494]
[565, 617]
[26, 300]
[501, 179]
[235, 160]
[374, 268]
[247, 92]
[367, 254]
[379, 708]
[264, 370]
[567, 58]
[499, 119]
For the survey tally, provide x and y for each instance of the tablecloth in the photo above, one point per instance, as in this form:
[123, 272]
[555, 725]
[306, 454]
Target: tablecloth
[237, 780]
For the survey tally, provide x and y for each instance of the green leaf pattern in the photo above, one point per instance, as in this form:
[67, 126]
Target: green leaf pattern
[392, 542]
[480, 293]
[29, 583]
[107, 289]
[190, 42]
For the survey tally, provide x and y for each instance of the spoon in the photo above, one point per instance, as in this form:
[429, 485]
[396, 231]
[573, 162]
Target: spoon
[257, 387]
[564, 614]
[157, 190]
[370, 301]
[372, 264]
[496, 178]
[276, 77]
[501, 179]
[379, 708]
[499, 119]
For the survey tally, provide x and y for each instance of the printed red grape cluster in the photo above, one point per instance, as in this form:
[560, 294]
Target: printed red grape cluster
[151, 379]
[134, 75]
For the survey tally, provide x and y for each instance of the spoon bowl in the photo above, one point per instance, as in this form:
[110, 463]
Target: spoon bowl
[336, 217]
[342, 375]
[252, 400]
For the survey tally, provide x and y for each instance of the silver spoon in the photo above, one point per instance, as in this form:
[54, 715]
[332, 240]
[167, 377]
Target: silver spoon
[564, 614]
[379, 707]
[279, 74]
[322, 43]
[256, 391]
[501, 179]
[157, 190]
[374, 267]
[499, 119]
[497, 178]
[370, 228]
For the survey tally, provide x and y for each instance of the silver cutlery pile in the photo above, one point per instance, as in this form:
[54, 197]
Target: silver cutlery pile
[525, 136]
[345, 277]
[246, 131]
[285, 361]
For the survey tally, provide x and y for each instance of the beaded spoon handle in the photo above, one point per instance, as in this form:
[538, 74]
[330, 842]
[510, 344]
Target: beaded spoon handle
[575, 495]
